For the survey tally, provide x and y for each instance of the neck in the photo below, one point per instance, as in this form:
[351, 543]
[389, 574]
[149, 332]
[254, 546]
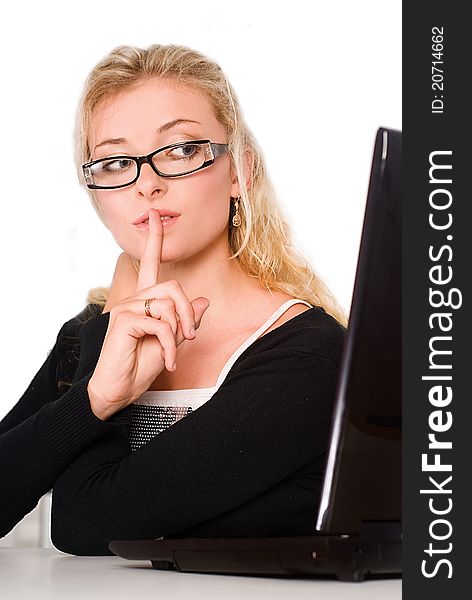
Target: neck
[211, 274]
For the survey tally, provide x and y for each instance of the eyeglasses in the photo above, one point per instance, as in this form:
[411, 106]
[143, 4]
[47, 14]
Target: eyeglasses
[174, 160]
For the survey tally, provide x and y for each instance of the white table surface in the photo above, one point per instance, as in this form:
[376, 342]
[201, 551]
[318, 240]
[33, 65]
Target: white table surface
[39, 573]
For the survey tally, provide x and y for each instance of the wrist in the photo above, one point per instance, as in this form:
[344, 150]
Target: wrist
[100, 408]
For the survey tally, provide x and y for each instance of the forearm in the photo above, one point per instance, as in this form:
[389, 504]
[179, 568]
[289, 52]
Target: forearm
[242, 443]
[44, 431]
[36, 451]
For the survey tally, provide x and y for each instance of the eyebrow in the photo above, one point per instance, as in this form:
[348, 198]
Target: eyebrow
[173, 123]
[161, 129]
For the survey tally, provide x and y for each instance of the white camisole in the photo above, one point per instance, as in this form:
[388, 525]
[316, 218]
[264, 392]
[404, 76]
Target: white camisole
[156, 410]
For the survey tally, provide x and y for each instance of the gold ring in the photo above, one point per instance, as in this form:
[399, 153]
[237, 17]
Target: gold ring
[147, 306]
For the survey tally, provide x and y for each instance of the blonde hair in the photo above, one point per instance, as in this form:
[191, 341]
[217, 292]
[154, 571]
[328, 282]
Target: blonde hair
[262, 242]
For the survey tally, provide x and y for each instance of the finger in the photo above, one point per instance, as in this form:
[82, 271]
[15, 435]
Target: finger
[200, 305]
[138, 327]
[166, 338]
[151, 258]
[160, 308]
[164, 310]
[183, 308]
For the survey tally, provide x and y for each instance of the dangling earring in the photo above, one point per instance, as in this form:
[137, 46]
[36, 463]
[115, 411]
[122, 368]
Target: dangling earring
[237, 217]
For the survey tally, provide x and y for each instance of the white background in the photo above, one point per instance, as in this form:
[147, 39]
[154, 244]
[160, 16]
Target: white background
[315, 80]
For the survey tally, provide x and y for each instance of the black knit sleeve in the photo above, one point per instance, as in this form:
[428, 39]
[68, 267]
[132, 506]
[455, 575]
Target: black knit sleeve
[51, 423]
[267, 423]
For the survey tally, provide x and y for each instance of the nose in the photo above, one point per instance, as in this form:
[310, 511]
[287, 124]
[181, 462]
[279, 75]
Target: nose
[149, 183]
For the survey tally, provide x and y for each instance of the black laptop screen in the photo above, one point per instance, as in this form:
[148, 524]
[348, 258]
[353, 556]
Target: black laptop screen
[363, 473]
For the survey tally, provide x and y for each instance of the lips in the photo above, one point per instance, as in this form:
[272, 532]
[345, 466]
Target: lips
[166, 215]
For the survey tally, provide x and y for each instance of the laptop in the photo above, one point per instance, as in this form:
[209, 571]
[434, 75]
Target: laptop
[357, 525]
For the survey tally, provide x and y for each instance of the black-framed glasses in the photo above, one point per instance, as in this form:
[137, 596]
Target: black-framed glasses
[174, 160]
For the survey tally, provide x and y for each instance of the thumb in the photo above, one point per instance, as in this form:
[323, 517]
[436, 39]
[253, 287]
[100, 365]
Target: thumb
[199, 305]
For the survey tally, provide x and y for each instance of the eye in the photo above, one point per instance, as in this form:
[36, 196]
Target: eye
[186, 151]
[115, 165]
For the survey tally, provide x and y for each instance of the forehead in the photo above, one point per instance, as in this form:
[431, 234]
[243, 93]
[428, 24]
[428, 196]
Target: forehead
[136, 114]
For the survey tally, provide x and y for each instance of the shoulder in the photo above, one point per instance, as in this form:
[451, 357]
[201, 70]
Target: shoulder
[89, 312]
[312, 331]
[298, 360]
[72, 327]
[68, 347]
[67, 342]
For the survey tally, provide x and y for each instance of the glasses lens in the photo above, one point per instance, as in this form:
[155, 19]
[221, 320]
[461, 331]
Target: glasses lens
[112, 172]
[182, 159]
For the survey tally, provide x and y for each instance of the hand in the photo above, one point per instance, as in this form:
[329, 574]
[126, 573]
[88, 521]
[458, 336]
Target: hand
[137, 348]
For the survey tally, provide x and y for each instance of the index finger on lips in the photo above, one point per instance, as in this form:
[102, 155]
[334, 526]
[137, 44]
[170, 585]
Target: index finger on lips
[151, 258]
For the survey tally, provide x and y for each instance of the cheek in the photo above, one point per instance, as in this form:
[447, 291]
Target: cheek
[112, 218]
[118, 224]
[207, 211]
[113, 206]
[208, 194]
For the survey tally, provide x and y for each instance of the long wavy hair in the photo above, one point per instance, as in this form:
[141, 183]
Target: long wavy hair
[262, 243]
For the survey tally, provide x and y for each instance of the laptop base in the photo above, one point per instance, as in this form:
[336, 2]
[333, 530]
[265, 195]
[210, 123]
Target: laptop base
[347, 558]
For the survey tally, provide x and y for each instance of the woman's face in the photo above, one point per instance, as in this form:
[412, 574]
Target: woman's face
[140, 120]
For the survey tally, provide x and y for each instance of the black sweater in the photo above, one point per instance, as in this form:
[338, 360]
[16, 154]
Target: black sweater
[249, 462]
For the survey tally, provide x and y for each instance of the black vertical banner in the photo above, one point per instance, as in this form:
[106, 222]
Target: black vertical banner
[437, 322]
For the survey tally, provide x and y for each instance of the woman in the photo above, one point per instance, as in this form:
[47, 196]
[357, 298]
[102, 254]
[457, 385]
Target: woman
[211, 316]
